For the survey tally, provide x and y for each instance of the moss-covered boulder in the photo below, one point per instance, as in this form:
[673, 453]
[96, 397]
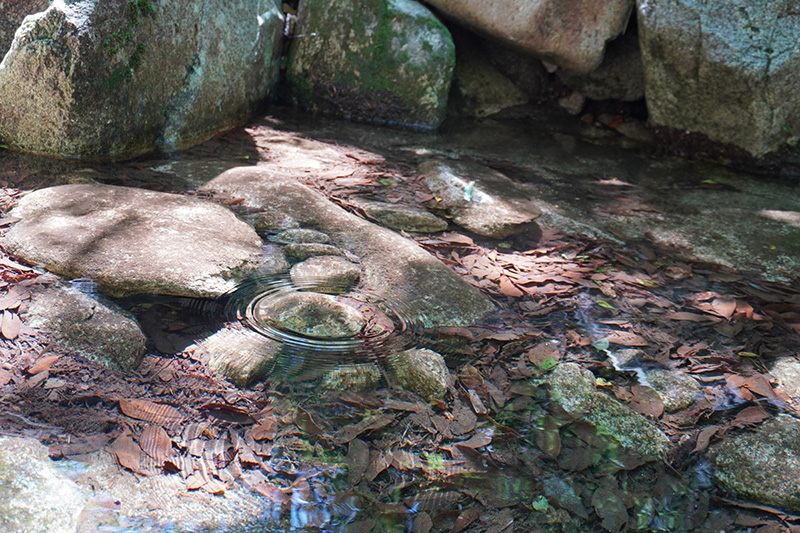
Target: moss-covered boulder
[573, 388]
[113, 78]
[729, 70]
[387, 61]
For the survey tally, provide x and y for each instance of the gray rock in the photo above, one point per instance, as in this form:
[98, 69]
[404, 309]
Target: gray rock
[763, 465]
[729, 70]
[238, 353]
[570, 33]
[35, 497]
[480, 199]
[419, 282]
[312, 314]
[787, 373]
[297, 235]
[300, 251]
[384, 60]
[134, 241]
[422, 371]
[401, 217]
[480, 89]
[84, 325]
[115, 79]
[676, 389]
[12, 12]
[619, 77]
[326, 271]
[574, 389]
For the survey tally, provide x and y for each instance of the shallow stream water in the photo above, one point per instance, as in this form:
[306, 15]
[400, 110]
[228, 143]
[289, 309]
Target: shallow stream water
[591, 180]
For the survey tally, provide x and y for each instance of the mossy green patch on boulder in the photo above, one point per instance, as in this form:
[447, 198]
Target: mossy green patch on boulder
[388, 61]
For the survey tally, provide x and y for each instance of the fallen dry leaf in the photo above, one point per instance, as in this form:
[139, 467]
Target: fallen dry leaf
[157, 413]
[155, 442]
[11, 325]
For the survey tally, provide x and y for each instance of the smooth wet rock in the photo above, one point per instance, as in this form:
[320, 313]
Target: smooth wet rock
[312, 314]
[480, 199]
[363, 377]
[326, 271]
[132, 241]
[729, 70]
[98, 331]
[388, 61]
[676, 389]
[401, 217]
[238, 353]
[395, 268]
[300, 251]
[110, 80]
[300, 235]
[569, 33]
[421, 371]
[762, 465]
[35, 497]
[574, 389]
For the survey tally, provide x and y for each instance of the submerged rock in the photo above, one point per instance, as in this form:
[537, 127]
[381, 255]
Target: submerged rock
[387, 61]
[312, 314]
[574, 389]
[763, 465]
[569, 33]
[84, 325]
[115, 79]
[480, 199]
[395, 268]
[422, 371]
[131, 241]
[401, 217]
[326, 271]
[729, 70]
[238, 353]
[363, 377]
[35, 497]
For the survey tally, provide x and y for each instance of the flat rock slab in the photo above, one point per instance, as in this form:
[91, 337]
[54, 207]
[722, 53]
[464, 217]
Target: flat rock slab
[394, 267]
[132, 241]
[480, 199]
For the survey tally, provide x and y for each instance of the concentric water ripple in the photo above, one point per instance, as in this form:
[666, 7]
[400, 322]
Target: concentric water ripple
[321, 324]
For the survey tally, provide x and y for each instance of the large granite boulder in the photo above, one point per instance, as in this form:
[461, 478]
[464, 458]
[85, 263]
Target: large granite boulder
[569, 33]
[134, 241]
[729, 70]
[394, 267]
[113, 79]
[388, 61]
[11, 14]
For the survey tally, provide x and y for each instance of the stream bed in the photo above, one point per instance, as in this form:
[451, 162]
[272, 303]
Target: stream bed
[652, 321]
